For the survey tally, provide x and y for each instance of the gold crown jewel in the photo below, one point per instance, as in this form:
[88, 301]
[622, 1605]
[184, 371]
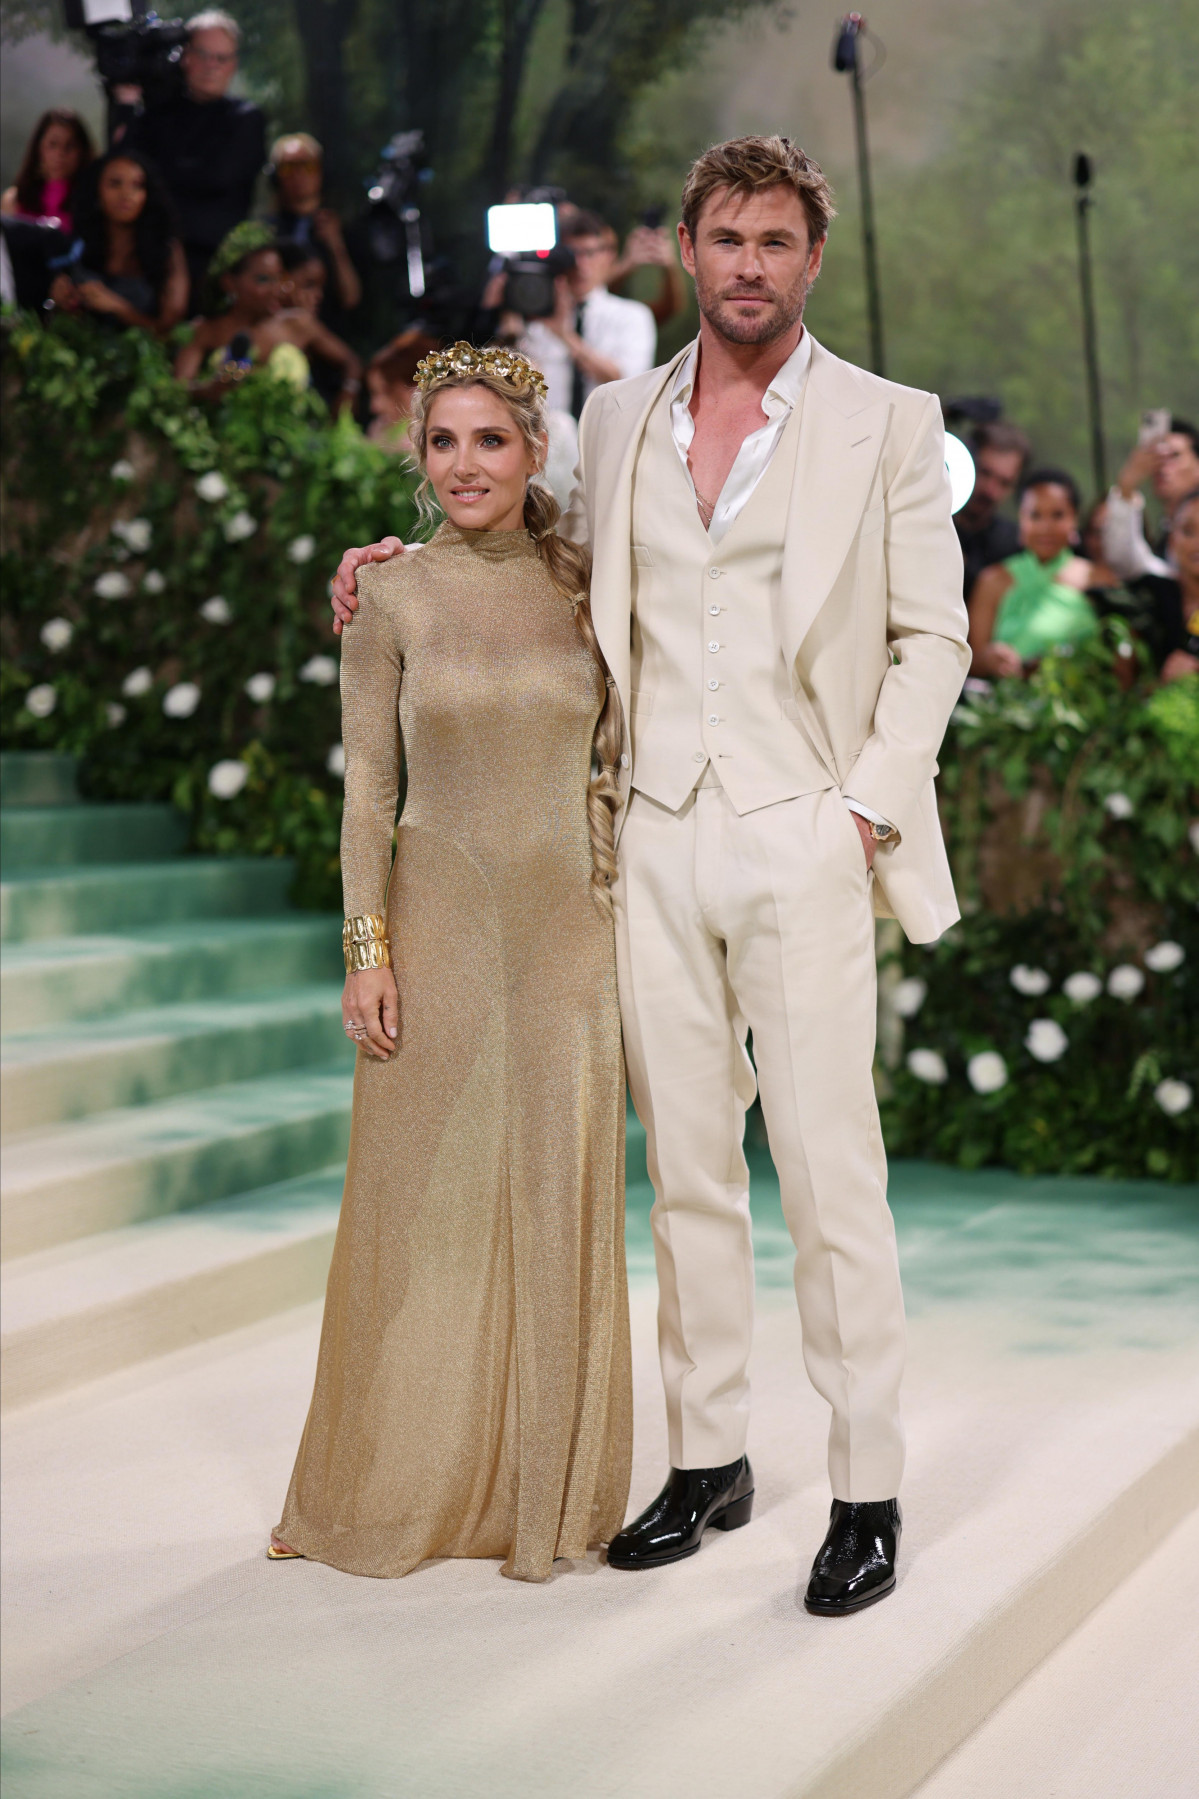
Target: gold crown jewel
[471, 359]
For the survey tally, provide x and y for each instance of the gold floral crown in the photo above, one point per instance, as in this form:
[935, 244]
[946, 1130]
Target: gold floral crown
[470, 359]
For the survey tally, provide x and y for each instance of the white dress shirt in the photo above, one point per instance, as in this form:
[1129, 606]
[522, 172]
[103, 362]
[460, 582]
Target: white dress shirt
[753, 458]
[624, 331]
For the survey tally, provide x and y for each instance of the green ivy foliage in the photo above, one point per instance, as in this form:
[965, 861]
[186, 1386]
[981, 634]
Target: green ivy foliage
[1087, 779]
[128, 511]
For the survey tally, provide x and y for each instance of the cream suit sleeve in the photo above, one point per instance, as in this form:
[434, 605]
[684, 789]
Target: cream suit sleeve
[926, 629]
[371, 671]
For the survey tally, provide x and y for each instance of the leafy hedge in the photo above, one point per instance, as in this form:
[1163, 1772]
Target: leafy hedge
[157, 556]
[1069, 806]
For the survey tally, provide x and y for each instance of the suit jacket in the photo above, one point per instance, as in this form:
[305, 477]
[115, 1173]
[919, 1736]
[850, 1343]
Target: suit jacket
[871, 620]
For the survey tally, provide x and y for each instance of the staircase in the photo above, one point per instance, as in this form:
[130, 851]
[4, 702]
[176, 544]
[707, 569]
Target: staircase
[176, 1086]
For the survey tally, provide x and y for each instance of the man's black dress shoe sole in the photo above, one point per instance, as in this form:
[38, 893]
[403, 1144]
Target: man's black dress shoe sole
[730, 1517]
[842, 1609]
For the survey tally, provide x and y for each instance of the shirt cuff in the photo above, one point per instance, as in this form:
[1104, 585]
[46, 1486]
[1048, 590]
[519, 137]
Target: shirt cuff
[875, 818]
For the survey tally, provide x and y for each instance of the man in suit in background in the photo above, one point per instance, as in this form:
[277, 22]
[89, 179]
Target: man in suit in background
[777, 589]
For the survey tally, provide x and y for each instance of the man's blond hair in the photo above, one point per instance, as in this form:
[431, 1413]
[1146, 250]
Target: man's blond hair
[748, 165]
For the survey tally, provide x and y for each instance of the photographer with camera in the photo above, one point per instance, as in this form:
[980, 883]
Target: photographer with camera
[209, 147]
[302, 221]
[592, 336]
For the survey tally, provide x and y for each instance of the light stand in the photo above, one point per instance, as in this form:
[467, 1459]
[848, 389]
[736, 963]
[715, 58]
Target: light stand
[845, 62]
[1090, 342]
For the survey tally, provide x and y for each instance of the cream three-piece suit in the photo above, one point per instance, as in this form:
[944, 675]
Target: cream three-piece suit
[812, 654]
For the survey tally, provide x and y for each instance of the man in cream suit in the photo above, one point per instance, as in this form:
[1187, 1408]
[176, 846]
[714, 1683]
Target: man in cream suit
[777, 590]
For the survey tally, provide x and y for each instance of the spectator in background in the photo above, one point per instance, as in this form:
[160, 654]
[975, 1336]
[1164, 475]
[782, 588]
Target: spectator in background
[1171, 463]
[391, 384]
[593, 336]
[209, 147]
[1164, 609]
[1001, 452]
[1035, 600]
[125, 262]
[296, 171]
[55, 158]
[248, 325]
[652, 246]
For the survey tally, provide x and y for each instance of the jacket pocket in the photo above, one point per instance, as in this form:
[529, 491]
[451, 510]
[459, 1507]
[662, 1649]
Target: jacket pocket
[641, 556]
[872, 520]
[641, 701]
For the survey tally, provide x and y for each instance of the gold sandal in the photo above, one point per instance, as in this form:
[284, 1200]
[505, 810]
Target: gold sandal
[279, 1552]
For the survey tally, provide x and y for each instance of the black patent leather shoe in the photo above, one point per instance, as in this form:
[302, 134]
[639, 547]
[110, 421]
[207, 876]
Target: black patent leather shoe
[673, 1526]
[856, 1564]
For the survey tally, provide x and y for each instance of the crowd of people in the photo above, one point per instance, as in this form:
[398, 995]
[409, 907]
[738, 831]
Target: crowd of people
[161, 228]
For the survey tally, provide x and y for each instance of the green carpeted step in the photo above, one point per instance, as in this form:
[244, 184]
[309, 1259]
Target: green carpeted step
[59, 903]
[48, 1077]
[56, 979]
[64, 836]
[37, 778]
[84, 1309]
[121, 1167]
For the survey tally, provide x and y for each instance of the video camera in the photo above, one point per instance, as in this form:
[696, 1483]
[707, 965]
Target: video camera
[394, 224]
[525, 234]
[132, 46]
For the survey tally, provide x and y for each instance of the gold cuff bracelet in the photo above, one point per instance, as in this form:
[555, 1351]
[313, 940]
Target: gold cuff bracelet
[364, 943]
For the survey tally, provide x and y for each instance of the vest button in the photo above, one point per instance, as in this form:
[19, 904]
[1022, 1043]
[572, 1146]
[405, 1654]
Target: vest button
[713, 685]
[713, 647]
[699, 756]
[624, 762]
[712, 719]
[715, 611]
[715, 573]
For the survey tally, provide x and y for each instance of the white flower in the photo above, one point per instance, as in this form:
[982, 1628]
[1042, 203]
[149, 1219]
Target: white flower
[1118, 805]
[908, 996]
[1082, 988]
[113, 586]
[181, 700]
[1173, 1097]
[1193, 834]
[212, 487]
[226, 779]
[1032, 981]
[1046, 1040]
[242, 525]
[115, 714]
[302, 549]
[1163, 958]
[122, 470]
[322, 670]
[1125, 982]
[987, 1071]
[139, 682]
[134, 533]
[153, 581]
[260, 688]
[42, 700]
[57, 633]
[217, 610]
[928, 1065]
[335, 761]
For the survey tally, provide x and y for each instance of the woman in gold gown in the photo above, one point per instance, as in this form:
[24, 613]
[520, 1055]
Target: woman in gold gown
[473, 1393]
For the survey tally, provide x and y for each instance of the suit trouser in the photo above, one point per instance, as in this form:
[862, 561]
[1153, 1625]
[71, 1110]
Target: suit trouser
[761, 921]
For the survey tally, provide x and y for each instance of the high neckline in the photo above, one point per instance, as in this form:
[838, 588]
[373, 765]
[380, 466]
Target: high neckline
[497, 546]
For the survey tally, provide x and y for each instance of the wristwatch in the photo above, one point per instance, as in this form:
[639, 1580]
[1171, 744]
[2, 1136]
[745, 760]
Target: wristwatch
[881, 833]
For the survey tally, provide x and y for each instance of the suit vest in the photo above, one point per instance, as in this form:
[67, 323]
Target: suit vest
[709, 680]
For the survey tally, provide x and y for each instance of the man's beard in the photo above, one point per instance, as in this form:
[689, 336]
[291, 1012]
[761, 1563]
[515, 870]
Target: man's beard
[766, 327]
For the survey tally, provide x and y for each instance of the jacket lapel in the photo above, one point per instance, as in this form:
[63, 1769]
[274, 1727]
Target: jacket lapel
[610, 509]
[840, 439]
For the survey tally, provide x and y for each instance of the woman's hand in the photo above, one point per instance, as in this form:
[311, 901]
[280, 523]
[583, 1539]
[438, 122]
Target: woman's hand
[370, 1011]
[997, 660]
[64, 294]
[98, 298]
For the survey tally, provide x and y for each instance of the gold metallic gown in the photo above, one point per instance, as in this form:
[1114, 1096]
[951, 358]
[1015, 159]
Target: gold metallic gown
[473, 1393]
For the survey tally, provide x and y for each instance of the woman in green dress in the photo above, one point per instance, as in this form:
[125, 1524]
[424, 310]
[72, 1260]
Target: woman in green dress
[1036, 600]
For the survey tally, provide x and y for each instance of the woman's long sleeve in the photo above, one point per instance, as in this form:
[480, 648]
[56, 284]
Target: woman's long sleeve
[371, 672]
